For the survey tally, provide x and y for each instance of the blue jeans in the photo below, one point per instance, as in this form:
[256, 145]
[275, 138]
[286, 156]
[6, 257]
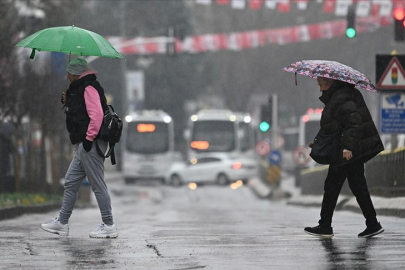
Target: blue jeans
[88, 164]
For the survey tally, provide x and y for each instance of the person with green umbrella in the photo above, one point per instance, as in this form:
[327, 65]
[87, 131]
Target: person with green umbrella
[84, 103]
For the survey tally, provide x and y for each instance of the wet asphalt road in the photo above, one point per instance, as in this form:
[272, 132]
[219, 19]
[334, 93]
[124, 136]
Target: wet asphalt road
[208, 228]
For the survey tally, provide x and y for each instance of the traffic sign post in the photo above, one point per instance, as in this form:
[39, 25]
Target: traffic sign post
[275, 157]
[301, 155]
[391, 82]
[393, 113]
[263, 148]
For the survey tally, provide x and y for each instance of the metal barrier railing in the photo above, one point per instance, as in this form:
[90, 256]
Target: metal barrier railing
[385, 173]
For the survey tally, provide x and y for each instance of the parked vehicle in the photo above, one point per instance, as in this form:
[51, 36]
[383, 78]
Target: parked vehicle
[216, 168]
[148, 145]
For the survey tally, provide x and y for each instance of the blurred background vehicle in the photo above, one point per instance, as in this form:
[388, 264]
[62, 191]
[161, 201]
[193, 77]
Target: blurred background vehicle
[290, 143]
[216, 168]
[148, 145]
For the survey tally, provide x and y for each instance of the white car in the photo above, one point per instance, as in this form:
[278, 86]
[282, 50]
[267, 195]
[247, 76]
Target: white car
[212, 167]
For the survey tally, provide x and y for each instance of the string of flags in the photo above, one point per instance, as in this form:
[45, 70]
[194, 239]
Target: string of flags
[338, 7]
[238, 41]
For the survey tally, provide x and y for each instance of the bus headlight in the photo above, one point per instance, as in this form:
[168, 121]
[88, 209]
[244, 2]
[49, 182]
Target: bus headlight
[128, 118]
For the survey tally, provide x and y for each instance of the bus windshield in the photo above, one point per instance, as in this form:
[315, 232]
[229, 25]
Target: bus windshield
[290, 141]
[245, 136]
[148, 137]
[220, 135]
[311, 129]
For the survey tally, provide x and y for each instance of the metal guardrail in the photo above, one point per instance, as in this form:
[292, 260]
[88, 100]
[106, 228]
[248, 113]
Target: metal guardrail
[385, 176]
[385, 173]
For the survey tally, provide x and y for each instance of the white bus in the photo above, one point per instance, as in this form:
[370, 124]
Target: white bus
[148, 145]
[309, 126]
[223, 131]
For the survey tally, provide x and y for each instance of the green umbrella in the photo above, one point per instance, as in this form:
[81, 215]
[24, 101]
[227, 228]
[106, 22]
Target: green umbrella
[69, 39]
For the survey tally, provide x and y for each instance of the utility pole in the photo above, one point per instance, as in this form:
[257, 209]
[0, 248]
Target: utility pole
[274, 120]
[123, 101]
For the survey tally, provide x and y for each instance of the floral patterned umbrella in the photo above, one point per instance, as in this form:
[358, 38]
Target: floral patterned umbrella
[332, 70]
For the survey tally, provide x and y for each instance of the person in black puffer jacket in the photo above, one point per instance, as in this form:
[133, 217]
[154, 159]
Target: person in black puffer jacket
[346, 109]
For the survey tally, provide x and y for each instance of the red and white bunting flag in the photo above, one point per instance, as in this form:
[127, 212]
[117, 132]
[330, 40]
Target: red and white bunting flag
[255, 4]
[203, 2]
[252, 39]
[363, 8]
[302, 4]
[325, 30]
[223, 2]
[329, 6]
[342, 7]
[238, 4]
[271, 4]
[233, 42]
[338, 28]
[247, 40]
[302, 33]
[284, 6]
[386, 7]
[375, 8]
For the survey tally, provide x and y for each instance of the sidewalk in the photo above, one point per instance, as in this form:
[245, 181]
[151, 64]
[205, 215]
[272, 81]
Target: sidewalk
[110, 175]
[384, 206]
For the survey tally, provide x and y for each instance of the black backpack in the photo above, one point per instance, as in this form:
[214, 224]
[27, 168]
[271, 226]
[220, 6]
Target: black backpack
[110, 131]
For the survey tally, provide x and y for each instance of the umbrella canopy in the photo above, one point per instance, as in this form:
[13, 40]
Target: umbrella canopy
[332, 70]
[69, 39]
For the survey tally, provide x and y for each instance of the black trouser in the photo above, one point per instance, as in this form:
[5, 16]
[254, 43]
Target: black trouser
[357, 182]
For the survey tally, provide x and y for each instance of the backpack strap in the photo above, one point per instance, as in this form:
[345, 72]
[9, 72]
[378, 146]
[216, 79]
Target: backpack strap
[110, 152]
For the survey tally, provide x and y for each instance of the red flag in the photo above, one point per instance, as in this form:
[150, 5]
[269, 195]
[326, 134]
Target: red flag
[284, 5]
[375, 9]
[223, 2]
[329, 6]
[255, 4]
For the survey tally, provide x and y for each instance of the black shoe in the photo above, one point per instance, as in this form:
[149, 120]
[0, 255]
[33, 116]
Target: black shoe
[371, 231]
[319, 231]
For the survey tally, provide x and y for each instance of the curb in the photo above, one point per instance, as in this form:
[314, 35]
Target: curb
[349, 203]
[263, 191]
[12, 212]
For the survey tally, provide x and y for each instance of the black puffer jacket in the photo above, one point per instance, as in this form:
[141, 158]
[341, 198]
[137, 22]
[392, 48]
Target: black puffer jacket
[345, 108]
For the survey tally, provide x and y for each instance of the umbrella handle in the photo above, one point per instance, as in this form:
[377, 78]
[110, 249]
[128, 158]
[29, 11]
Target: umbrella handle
[32, 54]
[296, 78]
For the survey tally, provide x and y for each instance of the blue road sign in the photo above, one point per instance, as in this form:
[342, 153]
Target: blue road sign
[275, 157]
[393, 113]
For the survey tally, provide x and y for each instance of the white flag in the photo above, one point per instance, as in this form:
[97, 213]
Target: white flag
[271, 4]
[203, 2]
[302, 4]
[303, 33]
[385, 8]
[363, 8]
[238, 4]
[342, 7]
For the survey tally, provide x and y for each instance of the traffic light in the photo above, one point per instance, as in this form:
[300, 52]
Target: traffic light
[266, 116]
[351, 23]
[399, 27]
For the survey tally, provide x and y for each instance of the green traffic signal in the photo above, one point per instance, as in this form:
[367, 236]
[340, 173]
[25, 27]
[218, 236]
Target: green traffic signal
[350, 32]
[264, 126]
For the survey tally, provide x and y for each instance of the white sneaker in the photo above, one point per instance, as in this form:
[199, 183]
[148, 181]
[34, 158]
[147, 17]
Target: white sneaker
[105, 231]
[56, 227]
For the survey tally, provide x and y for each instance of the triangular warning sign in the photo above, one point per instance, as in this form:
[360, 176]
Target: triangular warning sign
[393, 77]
